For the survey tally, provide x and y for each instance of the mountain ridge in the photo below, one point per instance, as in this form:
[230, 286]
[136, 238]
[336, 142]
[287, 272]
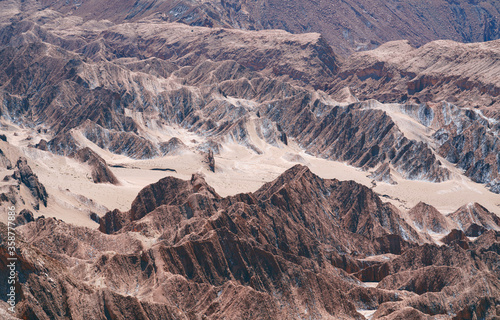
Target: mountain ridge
[248, 258]
[241, 159]
[347, 25]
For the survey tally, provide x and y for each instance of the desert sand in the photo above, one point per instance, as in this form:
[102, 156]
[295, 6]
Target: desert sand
[73, 195]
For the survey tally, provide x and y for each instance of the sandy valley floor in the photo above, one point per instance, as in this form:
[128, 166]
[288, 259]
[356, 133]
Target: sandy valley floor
[73, 195]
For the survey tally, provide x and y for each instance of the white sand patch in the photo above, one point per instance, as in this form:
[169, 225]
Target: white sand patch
[238, 169]
[380, 257]
[411, 128]
[368, 314]
[371, 284]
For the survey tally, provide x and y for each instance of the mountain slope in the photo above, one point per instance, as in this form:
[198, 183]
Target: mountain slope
[119, 85]
[190, 254]
[347, 25]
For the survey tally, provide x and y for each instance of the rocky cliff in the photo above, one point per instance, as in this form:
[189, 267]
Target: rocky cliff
[142, 85]
[24, 175]
[347, 25]
[116, 84]
[286, 251]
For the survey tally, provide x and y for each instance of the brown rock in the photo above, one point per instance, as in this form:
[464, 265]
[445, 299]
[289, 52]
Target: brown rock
[211, 160]
[101, 173]
[428, 218]
[172, 146]
[24, 217]
[474, 213]
[483, 309]
[4, 161]
[383, 174]
[42, 145]
[475, 230]
[25, 175]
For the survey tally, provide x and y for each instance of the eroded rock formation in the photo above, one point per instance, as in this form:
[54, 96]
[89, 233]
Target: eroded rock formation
[295, 247]
[25, 175]
[101, 173]
[427, 218]
[128, 79]
[475, 214]
[4, 161]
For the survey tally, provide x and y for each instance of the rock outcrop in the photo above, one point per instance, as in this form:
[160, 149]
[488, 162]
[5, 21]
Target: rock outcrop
[475, 230]
[475, 214]
[211, 160]
[427, 218]
[383, 174]
[25, 175]
[173, 146]
[458, 237]
[4, 161]
[101, 173]
[296, 244]
[24, 217]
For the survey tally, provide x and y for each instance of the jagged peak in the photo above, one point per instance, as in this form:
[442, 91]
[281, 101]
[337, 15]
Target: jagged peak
[475, 214]
[422, 206]
[200, 185]
[295, 173]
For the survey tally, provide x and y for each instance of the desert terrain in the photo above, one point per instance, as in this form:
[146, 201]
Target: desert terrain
[250, 160]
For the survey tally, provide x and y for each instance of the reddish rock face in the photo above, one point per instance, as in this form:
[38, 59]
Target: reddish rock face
[101, 173]
[475, 230]
[458, 237]
[25, 175]
[383, 174]
[475, 214]
[4, 161]
[427, 218]
[297, 242]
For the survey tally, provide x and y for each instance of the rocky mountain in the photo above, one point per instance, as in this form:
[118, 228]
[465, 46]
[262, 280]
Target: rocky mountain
[106, 89]
[297, 247]
[347, 25]
[364, 213]
[474, 216]
[24, 175]
[427, 218]
[236, 160]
